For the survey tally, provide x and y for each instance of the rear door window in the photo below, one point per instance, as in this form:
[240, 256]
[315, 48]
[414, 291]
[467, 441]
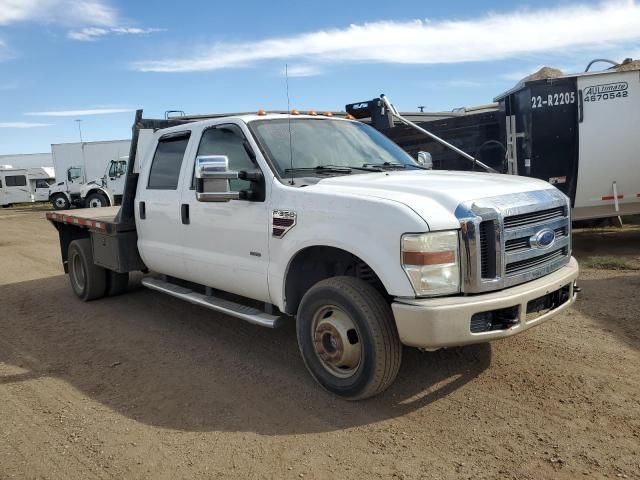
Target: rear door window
[167, 162]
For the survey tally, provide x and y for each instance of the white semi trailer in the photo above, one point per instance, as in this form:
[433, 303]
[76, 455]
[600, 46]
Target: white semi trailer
[27, 160]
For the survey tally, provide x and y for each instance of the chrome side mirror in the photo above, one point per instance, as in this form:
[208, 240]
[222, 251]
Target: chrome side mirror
[424, 159]
[212, 179]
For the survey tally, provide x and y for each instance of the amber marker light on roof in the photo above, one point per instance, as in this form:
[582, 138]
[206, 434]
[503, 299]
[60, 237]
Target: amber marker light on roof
[350, 117]
[312, 113]
[328, 114]
[262, 111]
[295, 112]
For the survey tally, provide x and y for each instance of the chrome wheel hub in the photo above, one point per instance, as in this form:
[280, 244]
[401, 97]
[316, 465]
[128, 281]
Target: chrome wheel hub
[336, 341]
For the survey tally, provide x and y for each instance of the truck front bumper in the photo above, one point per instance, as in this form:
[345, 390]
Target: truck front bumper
[453, 321]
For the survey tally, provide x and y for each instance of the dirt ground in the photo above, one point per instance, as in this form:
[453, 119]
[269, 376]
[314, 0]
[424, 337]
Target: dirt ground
[146, 386]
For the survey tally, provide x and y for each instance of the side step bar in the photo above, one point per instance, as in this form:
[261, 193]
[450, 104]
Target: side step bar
[249, 314]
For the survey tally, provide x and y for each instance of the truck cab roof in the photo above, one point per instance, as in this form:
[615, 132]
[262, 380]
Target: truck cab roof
[203, 121]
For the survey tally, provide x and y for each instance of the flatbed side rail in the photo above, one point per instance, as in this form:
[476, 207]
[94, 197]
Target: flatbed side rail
[76, 221]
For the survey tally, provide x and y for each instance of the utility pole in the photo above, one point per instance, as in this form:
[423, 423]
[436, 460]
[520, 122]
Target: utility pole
[80, 130]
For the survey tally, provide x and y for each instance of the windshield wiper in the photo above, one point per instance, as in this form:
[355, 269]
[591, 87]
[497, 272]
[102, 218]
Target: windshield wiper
[331, 169]
[319, 169]
[390, 165]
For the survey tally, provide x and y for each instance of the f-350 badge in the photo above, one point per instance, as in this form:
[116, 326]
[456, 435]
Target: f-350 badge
[282, 221]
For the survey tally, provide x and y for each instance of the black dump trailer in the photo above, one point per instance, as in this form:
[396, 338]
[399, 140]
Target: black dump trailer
[476, 131]
[539, 129]
[578, 132]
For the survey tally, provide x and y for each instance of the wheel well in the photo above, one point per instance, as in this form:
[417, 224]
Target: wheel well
[67, 234]
[95, 190]
[98, 191]
[313, 264]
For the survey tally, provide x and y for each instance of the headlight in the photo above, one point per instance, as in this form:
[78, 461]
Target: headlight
[432, 263]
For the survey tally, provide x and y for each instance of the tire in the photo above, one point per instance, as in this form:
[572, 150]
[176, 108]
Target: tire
[60, 202]
[117, 283]
[96, 200]
[352, 365]
[88, 280]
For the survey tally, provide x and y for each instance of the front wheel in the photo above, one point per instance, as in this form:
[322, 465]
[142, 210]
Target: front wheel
[348, 338]
[97, 200]
[60, 202]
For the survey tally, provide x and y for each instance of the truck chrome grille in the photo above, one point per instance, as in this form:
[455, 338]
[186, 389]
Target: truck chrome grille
[487, 249]
[516, 244]
[523, 265]
[533, 218]
[499, 239]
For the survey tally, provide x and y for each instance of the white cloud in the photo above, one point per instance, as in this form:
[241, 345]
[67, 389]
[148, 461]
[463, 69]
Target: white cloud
[23, 125]
[80, 113]
[302, 71]
[89, 34]
[493, 36]
[96, 17]
[64, 12]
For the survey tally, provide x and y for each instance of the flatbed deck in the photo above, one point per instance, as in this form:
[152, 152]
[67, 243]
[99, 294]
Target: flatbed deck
[98, 219]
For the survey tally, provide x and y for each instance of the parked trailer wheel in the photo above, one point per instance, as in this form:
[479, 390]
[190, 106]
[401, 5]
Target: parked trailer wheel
[88, 280]
[60, 202]
[117, 283]
[348, 338]
[97, 200]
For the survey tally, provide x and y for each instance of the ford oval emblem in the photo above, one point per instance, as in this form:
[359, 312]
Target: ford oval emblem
[543, 239]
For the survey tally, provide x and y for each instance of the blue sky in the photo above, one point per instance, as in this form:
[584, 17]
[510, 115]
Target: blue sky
[97, 60]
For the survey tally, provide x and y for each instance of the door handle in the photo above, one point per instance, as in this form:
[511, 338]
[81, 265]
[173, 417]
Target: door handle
[184, 213]
[142, 210]
[580, 107]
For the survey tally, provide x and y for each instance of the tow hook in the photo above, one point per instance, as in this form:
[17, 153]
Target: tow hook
[576, 288]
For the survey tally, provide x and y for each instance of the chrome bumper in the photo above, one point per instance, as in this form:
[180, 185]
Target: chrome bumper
[446, 322]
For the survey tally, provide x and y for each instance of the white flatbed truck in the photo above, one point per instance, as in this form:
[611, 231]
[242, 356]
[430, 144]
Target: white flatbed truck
[324, 221]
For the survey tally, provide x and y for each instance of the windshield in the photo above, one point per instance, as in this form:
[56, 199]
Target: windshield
[324, 142]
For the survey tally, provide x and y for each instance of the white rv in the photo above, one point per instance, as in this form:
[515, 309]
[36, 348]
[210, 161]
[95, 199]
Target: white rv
[40, 180]
[14, 186]
[24, 185]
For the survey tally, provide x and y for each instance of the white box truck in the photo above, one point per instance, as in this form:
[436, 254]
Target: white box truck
[78, 163]
[325, 222]
[90, 174]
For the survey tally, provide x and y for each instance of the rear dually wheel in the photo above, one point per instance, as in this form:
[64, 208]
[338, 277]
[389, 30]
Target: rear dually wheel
[88, 280]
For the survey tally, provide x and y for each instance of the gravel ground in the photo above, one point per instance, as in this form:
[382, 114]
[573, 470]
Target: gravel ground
[146, 386]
